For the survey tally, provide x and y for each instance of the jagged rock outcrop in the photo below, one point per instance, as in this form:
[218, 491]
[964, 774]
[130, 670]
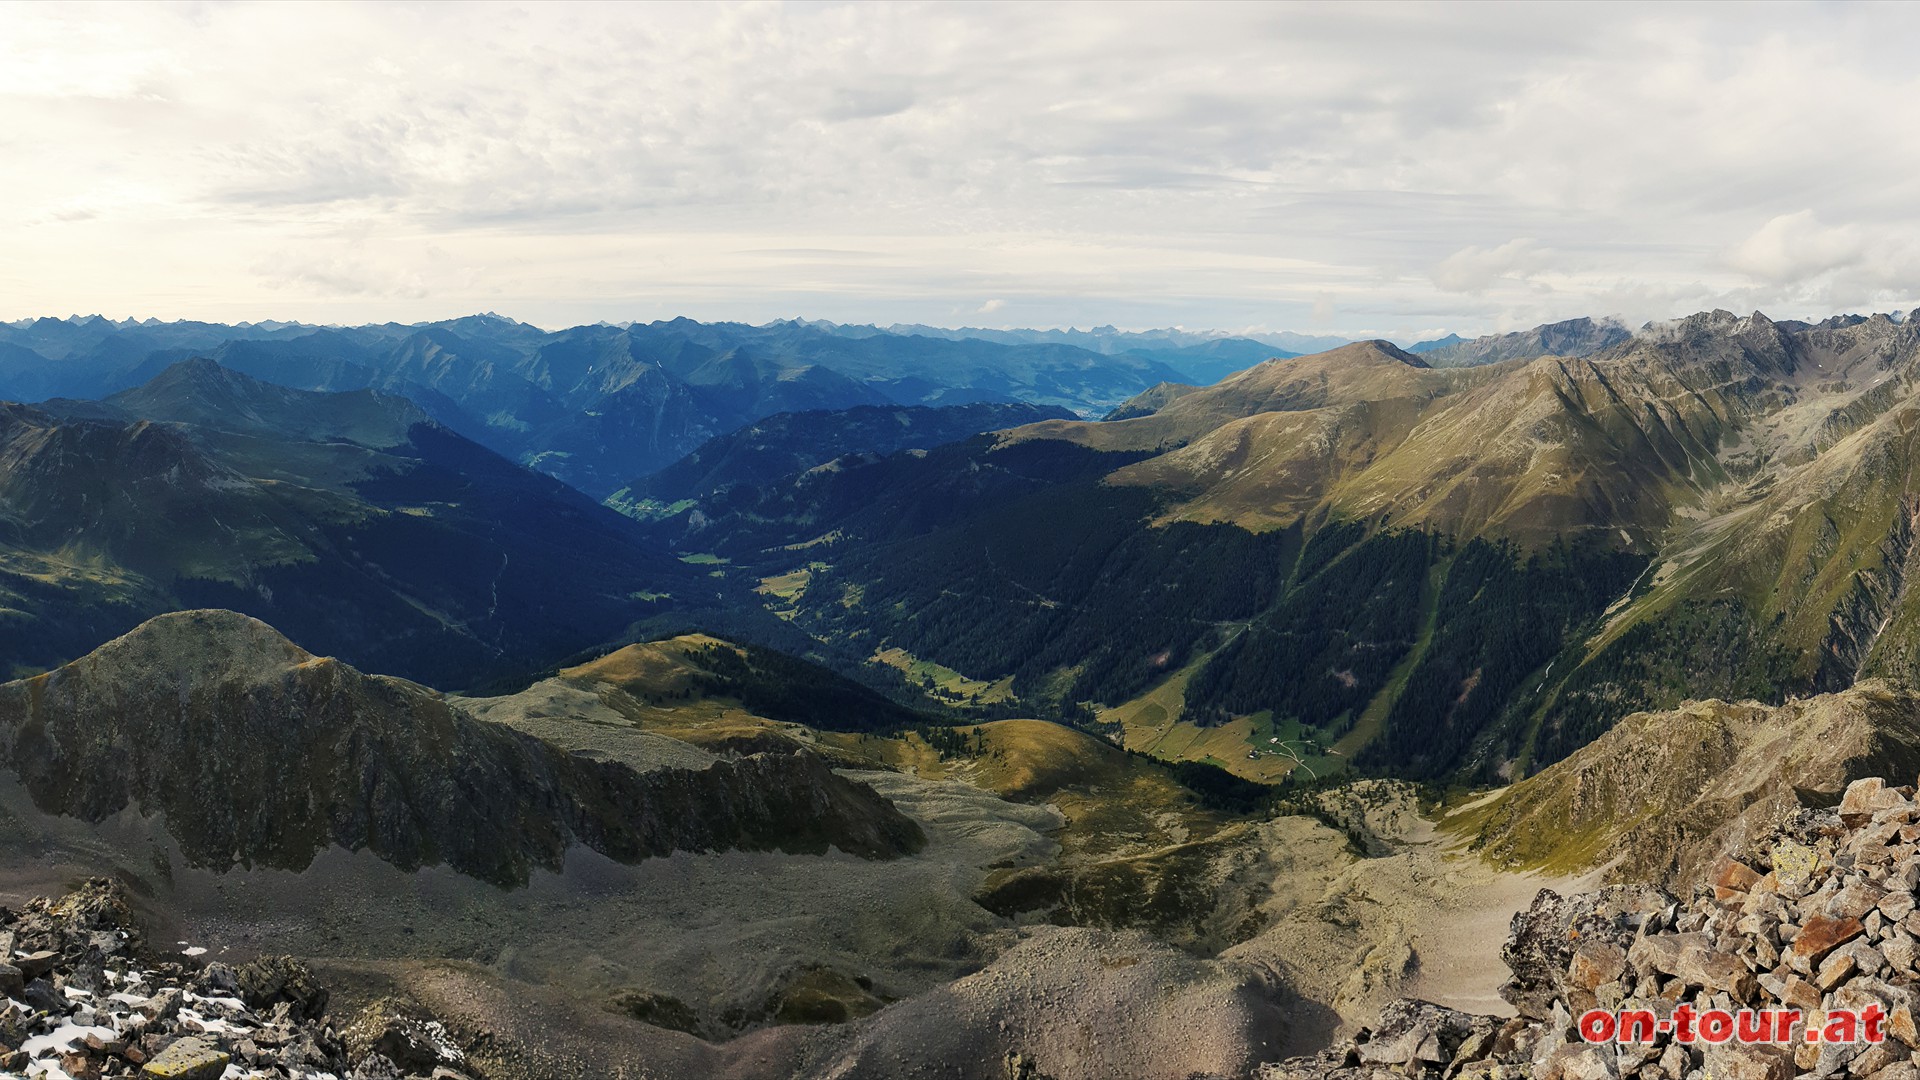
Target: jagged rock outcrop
[1818, 916]
[259, 753]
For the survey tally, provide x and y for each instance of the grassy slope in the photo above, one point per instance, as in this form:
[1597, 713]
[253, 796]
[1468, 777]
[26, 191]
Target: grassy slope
[652, 689]
[1661, 793]
[945, 680]
[1112, 800]
[1151, 724]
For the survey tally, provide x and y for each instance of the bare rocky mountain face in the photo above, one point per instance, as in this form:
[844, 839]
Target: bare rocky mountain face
[1661, 796]
[258, 753]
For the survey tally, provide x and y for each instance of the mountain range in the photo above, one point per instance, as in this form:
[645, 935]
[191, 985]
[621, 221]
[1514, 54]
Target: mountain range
[1574, 337]
[787, 444]
[810, 700]
[1432, 570]
[1107, 340]
[1540, 541]
[313, 754]
[592, 405]
[599, 405]
[350, 518]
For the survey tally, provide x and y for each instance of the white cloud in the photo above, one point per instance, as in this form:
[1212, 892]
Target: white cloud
[1791, 248]
[337, 276]
[990, 307]
[1473, 269]
[1138, 164]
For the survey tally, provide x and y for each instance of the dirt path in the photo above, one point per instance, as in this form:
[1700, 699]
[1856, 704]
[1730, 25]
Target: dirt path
[1421, 918]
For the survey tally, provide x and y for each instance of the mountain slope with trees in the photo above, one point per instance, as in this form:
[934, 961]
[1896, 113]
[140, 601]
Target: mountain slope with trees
[1438, 569]
[350, 519]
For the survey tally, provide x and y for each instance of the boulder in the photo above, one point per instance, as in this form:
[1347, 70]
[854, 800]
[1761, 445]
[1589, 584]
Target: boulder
[188, 1059]
[271, 980]
[40, 994]
[1541, 940]
[400, 1033]
[1822, 934]
[1733, 1061]
[1578, 1061]
[1854, 900]
[1731, 878]
[36, 964]
[1866, 797]
[1595, 963]
[164, 1005]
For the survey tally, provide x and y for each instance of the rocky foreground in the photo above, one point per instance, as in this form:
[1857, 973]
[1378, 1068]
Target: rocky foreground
[79, 1002]
[1818, 916]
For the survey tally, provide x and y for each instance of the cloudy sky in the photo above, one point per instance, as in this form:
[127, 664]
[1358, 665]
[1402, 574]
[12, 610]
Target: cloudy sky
[1395, 170]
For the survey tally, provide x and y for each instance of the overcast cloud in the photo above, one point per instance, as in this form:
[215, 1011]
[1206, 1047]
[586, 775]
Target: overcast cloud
[1352, 169]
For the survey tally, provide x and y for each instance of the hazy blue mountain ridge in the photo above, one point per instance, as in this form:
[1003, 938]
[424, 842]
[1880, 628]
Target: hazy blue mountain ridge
[351, 518]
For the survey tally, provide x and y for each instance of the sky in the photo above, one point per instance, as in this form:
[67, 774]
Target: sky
[1364, 170]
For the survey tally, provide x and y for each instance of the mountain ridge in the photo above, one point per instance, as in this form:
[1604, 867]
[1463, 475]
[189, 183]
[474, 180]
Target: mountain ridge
[258, 752]
[1657, 497]
[788, 444]
[423, 551]
[593, 405]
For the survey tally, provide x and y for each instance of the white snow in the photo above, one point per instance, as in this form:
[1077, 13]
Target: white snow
[61, 1039]
[212, 1024]
[47, 1069]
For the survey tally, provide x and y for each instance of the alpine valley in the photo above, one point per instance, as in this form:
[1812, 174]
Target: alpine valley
[469, 699]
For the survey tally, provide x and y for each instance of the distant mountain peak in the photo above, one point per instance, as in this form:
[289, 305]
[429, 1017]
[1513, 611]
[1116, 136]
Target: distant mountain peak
[1375, 349]
[1583, 336]
[202, 391]
[1431, 344]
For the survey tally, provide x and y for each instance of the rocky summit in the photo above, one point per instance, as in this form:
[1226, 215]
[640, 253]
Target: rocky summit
[1818, 916]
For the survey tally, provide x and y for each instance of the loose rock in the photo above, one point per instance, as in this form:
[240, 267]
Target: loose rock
[92, 1008]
